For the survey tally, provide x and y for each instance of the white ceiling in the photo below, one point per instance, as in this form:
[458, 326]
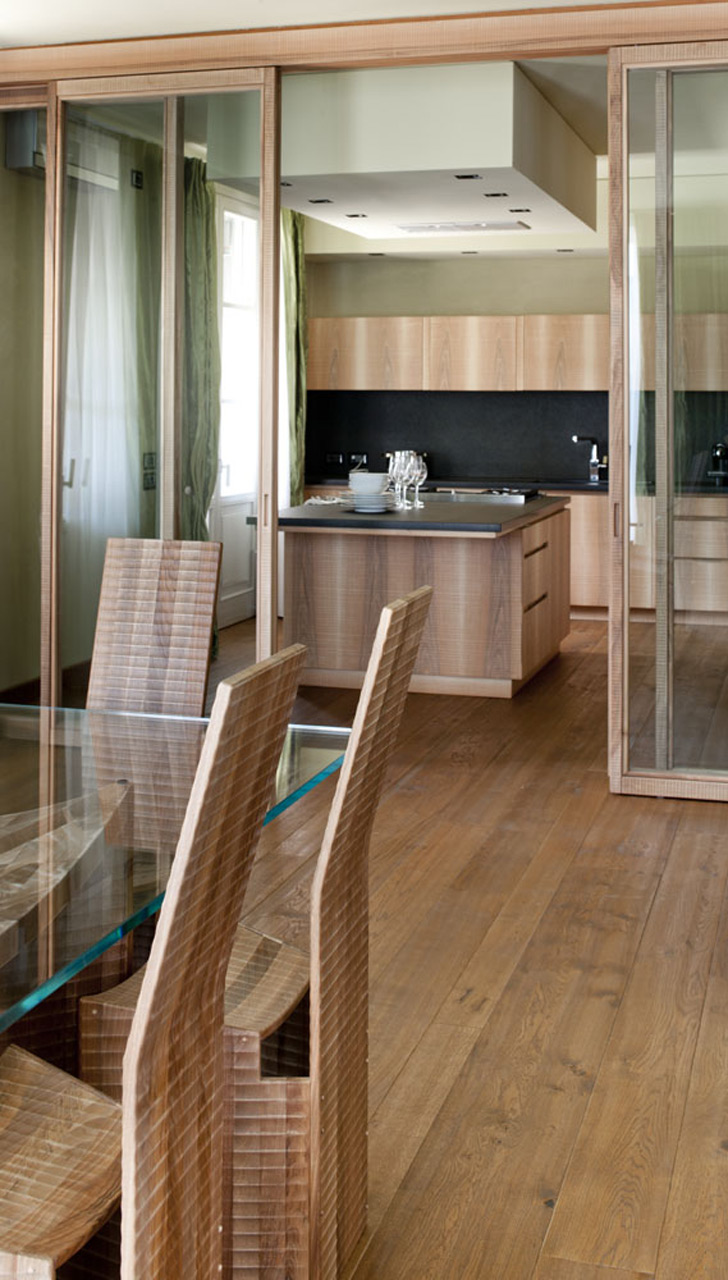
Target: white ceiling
[51, 22]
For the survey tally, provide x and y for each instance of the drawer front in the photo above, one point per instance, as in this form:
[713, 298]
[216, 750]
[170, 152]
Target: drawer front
[535, 535]
[537, 638]
[536, 574]
[702, 539]
[701, 585]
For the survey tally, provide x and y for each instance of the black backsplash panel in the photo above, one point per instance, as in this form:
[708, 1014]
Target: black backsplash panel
[509, 435]
[700, 422]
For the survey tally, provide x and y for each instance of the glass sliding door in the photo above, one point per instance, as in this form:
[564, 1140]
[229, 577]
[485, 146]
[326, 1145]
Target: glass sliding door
[22, 214]
[110, 362]
[221, 358]
[159, 390]
[669, 671]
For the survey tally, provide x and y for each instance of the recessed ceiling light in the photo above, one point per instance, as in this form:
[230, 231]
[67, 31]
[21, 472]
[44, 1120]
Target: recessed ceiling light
[468, 177]
[458, 228]
[322, 200]
[496, 195]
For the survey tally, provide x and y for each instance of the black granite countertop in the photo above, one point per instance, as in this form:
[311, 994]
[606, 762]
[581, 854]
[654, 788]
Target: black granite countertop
[441, 514]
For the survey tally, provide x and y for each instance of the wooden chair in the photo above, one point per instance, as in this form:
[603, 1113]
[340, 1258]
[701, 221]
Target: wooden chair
[296, 1083]
[60, 1140]
[154, 626]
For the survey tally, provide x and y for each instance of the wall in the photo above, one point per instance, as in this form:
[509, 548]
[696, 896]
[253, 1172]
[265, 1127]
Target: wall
[21, 317]
[560, 283]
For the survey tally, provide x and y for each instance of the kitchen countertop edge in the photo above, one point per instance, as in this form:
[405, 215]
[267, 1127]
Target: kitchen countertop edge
[444, 517]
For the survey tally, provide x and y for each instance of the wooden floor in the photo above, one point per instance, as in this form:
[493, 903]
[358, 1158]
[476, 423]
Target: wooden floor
[549, 999]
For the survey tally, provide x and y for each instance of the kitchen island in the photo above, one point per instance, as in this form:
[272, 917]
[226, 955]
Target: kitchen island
[500, 577]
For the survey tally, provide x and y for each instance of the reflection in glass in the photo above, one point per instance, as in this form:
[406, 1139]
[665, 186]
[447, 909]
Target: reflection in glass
[22, 201]
[677, 300]
[641, 418]
[220, 420]
[111, 353]
[700, 515]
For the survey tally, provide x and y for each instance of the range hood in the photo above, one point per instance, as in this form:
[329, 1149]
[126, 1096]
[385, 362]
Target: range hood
[416, 154]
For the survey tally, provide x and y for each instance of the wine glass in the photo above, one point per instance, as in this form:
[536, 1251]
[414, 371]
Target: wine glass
[418, 477]
[400, 464]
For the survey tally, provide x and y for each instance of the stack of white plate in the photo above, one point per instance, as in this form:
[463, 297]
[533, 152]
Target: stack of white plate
[372, 503]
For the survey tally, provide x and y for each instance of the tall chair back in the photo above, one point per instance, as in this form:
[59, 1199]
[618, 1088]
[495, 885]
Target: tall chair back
[340, 946]
[172, 1078]
[154, 626]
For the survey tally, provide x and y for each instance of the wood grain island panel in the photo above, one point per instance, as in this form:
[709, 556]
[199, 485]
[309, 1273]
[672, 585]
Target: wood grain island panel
[500, 605]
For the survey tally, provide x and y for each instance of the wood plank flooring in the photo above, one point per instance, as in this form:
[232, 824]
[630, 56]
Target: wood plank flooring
[549, 996]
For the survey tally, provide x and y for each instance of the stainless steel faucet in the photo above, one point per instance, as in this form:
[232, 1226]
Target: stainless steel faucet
[595, 466]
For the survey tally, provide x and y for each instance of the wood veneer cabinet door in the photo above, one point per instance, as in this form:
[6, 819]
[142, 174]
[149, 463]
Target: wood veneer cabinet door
[565, 353]
[365, 353]
[701, 554]
[701, 352]
[590, 550]
[470, 353]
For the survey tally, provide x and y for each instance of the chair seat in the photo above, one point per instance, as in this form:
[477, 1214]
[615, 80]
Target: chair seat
[265, 981]
[60, 1159]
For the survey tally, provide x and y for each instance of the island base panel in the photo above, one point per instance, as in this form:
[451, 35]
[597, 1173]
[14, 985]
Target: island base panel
[460, 686]
[500, 606]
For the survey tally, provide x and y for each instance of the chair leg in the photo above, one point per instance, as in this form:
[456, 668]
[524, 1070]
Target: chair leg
[265, 1167]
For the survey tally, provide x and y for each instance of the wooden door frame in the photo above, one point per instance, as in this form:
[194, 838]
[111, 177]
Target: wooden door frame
[684, 784]
[518, 34]
[171, 88]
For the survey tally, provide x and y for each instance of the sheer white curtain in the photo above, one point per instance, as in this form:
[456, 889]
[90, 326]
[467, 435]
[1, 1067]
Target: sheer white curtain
[101, 449]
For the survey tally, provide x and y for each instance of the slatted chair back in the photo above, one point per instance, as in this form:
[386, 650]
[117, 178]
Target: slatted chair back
[340, 945]
[154, 626]
[172, 1076]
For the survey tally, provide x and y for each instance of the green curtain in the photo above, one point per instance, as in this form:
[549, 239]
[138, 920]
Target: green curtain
[142, 224]
[201, 378]
[293, 268]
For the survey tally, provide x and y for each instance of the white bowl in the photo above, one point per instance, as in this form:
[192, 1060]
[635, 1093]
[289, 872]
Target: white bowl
[368, 481]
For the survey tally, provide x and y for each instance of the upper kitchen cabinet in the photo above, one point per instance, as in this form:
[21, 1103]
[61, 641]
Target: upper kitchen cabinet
[701, 352]
[365, 353]
[471, 353]
[459, 353]
[565, 353]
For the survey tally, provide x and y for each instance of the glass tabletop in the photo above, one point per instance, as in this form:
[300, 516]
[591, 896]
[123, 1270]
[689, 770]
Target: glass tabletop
[91, 805]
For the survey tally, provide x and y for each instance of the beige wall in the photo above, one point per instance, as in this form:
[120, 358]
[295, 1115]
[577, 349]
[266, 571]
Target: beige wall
[465, 286]
[21, 315]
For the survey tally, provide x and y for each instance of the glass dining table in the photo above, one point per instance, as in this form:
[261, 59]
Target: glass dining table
[91, 806]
